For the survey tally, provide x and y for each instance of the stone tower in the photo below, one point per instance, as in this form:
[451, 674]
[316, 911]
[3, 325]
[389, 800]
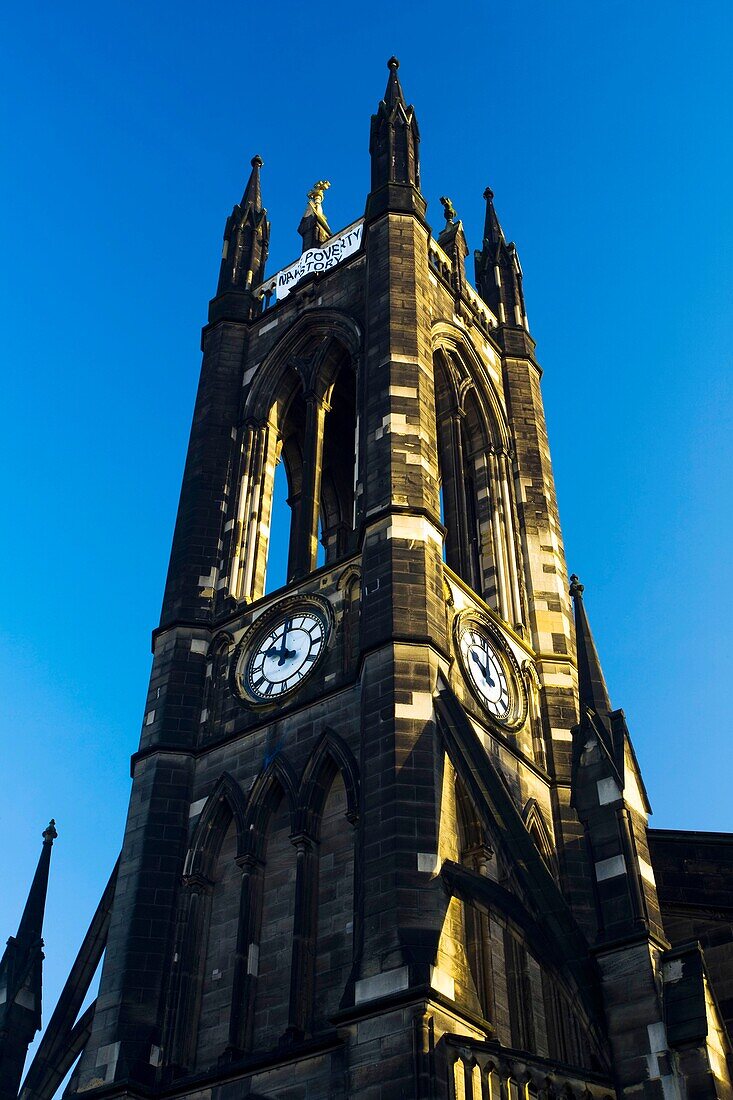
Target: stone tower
[387, 836]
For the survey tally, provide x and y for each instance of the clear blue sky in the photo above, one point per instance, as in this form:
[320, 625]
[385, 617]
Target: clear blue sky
[605, 131]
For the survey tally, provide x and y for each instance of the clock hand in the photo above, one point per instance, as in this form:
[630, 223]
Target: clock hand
[484, 668]
[275, 652]
[285, 653]
[282, 652]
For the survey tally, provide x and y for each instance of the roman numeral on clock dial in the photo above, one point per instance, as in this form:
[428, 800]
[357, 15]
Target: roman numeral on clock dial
[284, 654]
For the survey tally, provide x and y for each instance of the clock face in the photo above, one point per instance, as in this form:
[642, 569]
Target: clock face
[487, 671]
[283, 653]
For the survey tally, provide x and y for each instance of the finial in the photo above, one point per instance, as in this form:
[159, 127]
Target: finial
[488, 194]
[49, 833]
[393, 64]
[449, 210]
[576, 588]
[257, 161]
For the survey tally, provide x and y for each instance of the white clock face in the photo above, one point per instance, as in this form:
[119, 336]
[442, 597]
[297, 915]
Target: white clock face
[285, 653]
[487, 671]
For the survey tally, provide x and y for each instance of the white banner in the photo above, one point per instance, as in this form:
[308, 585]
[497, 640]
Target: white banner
[325, 257]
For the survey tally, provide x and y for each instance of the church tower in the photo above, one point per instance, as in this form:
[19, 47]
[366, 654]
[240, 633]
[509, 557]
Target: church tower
[387, 836]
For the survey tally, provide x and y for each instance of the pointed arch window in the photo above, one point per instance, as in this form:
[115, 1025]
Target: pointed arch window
[323, 948]
[277, 561]
[339, 458]
[333, 948]
[303, 432]
[271, 955]
[215, 693]
[205, 958]
[476, 484]
[219, 954]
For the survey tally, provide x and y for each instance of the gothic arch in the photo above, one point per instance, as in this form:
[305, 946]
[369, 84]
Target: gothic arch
[323, 945]
[536, 827]
[349, 588]
[226, 802]
[225, 807]
[350, 575]
[268, 910]
[218, 642]
[475, 844]
[330, 327]
[276, 781]
[330, 755]
[456, 482]
[474, 446]
[469, 368]
[301, 409]
[217, 662]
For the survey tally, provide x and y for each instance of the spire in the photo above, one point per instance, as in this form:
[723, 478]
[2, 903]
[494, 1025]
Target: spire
[20, 978]
[591, 683]
[246, 240]
[253, 191]
[31, 923]
[314, 228]
[394, 141]
[394, 94]
[493, 233]
[499, 272]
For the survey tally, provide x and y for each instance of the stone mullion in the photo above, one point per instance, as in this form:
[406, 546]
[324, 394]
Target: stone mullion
[487, 563]
[450, 486]
[253, 513]
[257, 528]
[331, 540]
[244, 984]
[461, 533]
[499, 539]
[261, 519]
[240, 525]
[306, 532]
[249, 934]
[305, 920]
[294, 503]
[511, 541]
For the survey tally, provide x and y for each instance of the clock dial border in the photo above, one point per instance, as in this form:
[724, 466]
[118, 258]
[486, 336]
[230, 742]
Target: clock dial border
[253, 639]
[516, 714]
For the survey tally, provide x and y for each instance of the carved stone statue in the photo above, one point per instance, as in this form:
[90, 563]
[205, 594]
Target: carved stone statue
[449, 210]
[316, 194]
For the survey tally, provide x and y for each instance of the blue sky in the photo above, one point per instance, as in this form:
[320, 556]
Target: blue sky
[604, 130]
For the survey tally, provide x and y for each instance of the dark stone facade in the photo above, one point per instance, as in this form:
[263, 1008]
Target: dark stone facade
[379, 883]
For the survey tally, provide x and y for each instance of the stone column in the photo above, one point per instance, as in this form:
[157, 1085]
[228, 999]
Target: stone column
[306, 533]
[304, 932]
[512, 548]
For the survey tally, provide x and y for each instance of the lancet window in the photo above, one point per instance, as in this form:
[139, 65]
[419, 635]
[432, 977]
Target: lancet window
[300, 416]
[271, 956]
[264, 949]
[476, 485]
[217, 972]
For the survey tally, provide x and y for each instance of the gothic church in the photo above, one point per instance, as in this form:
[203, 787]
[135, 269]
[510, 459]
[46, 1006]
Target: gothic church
[387, 835]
